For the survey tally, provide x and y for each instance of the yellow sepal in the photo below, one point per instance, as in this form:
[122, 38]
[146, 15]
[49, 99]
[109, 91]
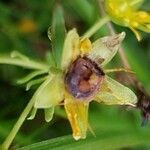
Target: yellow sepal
[77, 112]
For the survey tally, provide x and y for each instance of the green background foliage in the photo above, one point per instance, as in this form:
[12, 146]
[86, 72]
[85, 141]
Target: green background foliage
[115, 127]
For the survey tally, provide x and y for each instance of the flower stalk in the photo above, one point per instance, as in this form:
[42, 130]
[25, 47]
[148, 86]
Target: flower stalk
[95, 27]
[30, 64]
[6, 144]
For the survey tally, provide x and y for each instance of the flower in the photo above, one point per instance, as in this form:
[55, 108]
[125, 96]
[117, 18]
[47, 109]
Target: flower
[126, 13]
[82, 79]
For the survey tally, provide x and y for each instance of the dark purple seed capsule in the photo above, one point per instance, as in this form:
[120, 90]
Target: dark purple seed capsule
[84, 78]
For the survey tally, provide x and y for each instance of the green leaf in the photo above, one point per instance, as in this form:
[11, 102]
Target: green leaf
[50, 59]
[114, 93]
[25, 63]
[86, 13]
[57, 34]
[112, 139]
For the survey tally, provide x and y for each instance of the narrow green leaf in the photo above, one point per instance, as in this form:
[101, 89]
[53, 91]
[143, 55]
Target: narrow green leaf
[30, 64]
[50, 59]
[104, 140]
[57, 34]
[16, 54]
[86, 13]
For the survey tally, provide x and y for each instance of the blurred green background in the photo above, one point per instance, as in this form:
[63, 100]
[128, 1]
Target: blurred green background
[23, 27]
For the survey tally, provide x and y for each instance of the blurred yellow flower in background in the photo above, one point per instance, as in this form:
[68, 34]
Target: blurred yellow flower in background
[126, 13]
[27, 25]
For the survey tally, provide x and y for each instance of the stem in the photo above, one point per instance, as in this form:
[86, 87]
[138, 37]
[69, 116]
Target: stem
[96, 27]
[17, 126]
[118, 70]
[24, 114]
[23, 63]
[112, 32]
[132, 79]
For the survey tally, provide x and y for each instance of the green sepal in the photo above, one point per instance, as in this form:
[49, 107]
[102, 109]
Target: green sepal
[34, 82]
[57, 35]
[31, 76]
[114, 93]
[52, 93]
[49, 112]
[33, 113]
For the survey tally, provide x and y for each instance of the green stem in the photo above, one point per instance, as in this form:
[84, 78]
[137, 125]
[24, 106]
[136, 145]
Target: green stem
[23, 63]
[96, 27]
[17, 126]
[24, 114]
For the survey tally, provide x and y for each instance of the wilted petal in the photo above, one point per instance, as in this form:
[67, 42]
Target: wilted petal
[51, 92]
[77, 112]
[71, 49]
[85, 46]
[114, 93]
[104, 49]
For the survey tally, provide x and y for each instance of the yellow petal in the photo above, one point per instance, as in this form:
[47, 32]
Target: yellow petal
[135, 3]
[71, 49]
[125, 13]
[85, 46]
[137, 34]
[143, 21]
[143, 17]
[77, 112]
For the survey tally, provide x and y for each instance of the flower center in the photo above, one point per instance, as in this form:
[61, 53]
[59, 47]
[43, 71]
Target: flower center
[83, 78]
